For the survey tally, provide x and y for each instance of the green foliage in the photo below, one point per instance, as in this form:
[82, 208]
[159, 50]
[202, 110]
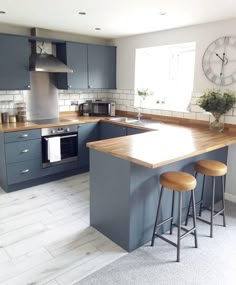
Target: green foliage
[217, 102]
[144, 93]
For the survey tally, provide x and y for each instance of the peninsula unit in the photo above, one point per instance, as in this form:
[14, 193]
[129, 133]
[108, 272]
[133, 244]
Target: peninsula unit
[124, 177]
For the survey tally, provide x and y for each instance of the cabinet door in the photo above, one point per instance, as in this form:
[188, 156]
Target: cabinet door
[14, 59]
[102, 66]
[108, 131]
[86, 133]
[134, 131]
[75, 56]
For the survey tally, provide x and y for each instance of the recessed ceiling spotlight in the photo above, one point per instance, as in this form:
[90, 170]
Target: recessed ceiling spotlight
[162, 13]
[2, 12]
[98, 29]
[82, 13]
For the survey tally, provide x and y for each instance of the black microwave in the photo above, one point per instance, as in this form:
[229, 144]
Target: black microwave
[99, 108]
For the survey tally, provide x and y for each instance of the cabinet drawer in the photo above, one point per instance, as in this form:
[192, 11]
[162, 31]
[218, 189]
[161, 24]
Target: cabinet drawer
[21, 151]
[23, 171]
[22, 136]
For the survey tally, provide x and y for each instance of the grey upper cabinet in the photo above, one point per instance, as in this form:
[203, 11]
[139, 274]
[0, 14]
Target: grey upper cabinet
[75, 56]
[14, 59]
[101, 67]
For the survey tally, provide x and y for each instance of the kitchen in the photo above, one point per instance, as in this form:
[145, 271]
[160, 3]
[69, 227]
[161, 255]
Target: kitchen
[56, 219]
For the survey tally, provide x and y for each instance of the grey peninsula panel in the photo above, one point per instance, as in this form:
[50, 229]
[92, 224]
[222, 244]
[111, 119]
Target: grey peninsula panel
[124, 196]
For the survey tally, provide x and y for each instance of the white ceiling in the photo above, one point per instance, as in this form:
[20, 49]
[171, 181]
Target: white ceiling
[116, 18]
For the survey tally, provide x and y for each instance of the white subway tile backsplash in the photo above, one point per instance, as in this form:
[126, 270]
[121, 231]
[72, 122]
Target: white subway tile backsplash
[19, 97]
[190, 115]
[230, 119]
[64, 108]
[6, 97]
[196, 109]
[202, 116]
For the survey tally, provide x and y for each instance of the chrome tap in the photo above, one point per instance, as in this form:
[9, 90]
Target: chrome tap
[139, 115]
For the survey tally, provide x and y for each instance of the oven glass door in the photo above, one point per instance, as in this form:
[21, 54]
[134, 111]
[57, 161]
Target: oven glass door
[69, 149]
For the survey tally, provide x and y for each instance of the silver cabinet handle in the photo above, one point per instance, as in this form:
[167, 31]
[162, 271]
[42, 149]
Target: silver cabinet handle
[24, 136]
[24, 151]
[25, 171]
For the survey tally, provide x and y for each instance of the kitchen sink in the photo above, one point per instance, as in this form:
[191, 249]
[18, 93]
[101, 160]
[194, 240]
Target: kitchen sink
[123, 119]
[142, 123]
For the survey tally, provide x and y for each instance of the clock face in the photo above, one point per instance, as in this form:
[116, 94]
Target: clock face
[219, 61]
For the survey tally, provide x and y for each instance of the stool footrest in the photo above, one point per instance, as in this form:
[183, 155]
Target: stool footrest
[216, 212]
[165, 221]
[219, 212]
[203, 220]
[166, 239]
[187, 231]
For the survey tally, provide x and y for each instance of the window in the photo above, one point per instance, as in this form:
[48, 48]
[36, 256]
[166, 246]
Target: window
[167, 71]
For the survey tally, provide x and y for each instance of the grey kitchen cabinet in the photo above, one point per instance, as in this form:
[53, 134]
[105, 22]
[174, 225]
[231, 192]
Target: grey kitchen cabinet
[21, 151]
[108, 130]
[75, 56]
[86, 133]
[134, 131]
[101, 67]
[14, 59]
[23, 171]
[21, 157]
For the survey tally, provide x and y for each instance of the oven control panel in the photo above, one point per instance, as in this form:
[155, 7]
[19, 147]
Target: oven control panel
[59, 130]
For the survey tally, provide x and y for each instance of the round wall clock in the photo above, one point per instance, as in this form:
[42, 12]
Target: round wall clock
[219, 61]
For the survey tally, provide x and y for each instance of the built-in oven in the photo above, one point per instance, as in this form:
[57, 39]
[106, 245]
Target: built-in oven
[63, 141]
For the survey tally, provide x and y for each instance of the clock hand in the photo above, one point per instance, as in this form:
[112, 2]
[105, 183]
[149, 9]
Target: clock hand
[222, 65]
[222, 59]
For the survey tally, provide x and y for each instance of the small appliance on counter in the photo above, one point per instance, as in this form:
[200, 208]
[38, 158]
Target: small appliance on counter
[97, 108]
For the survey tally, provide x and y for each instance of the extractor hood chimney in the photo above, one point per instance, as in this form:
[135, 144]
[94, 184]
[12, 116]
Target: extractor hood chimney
[43, 59]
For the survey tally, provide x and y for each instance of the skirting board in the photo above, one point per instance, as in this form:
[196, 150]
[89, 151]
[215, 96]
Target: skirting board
[230, 197]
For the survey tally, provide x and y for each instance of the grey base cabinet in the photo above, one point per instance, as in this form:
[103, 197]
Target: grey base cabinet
[21, 155]
[86, 133]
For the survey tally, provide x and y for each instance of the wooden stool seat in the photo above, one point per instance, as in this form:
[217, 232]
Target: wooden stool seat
[178, 181]
[211, 167]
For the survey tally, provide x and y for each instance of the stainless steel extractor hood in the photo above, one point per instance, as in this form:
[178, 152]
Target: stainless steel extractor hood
[47, 63]
[43, 57]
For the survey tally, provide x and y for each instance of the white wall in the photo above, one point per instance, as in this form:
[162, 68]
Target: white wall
[25, 31]
[203, 35]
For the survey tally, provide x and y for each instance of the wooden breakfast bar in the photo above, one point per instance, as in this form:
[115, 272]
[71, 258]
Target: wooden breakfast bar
[124, 177]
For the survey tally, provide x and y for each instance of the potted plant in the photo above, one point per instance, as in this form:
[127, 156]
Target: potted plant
[143, 93]
[217, 102]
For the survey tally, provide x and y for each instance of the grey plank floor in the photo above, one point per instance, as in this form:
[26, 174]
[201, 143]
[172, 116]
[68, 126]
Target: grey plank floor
[45, 237]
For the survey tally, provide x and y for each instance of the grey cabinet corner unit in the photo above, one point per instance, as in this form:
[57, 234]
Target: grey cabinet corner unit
[101, 67]
[14, 58]
[86, 133]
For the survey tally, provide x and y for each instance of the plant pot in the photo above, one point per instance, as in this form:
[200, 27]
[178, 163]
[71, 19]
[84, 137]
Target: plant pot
[216, 123]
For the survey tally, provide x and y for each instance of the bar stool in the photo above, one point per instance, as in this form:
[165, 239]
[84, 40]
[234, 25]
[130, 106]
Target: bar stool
[211, 168]
[177, 182]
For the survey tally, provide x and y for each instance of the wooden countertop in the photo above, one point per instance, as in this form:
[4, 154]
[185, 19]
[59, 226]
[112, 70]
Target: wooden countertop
[70, 120]
[169, 144]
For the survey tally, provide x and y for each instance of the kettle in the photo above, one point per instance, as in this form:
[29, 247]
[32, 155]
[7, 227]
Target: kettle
[85, 109]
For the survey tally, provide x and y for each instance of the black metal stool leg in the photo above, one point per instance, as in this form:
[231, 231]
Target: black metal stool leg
[179, 226]
[212, 205]
[172, 212]
[194, 217]
[190, 202]
[158, 209]
[223, 199]
[203, 187]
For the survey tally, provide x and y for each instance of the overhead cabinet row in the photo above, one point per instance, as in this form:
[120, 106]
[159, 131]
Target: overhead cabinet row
[94, 66]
